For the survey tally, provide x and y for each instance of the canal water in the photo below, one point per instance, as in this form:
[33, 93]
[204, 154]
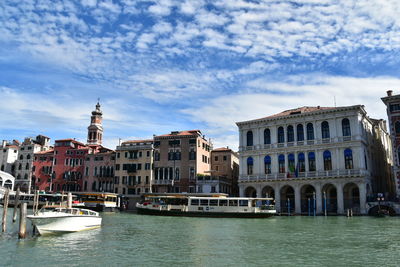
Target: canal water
[128, 239]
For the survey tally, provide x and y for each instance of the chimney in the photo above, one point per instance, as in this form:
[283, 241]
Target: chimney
[389, 92]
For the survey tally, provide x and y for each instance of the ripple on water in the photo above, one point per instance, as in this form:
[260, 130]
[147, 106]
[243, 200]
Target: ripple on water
[127, 239]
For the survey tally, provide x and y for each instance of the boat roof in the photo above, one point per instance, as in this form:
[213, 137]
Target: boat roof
[95, 194]
[178, 195]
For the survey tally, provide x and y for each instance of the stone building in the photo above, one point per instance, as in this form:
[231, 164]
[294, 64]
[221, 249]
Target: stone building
[392, 103]
[224, 173]
[178, 158]
[133, 167]
[8, 156]
[311, 158]
[24, 163]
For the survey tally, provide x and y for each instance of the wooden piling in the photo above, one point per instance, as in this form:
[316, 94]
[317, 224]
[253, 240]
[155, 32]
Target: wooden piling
[5, 208]
[16, 203]
[69, 200]
[34, 202]
[22, 220]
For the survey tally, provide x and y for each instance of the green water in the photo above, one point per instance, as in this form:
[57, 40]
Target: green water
[127, 239]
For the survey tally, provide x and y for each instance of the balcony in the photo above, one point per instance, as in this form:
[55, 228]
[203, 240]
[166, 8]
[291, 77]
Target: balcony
[162, 182]
[305, 175]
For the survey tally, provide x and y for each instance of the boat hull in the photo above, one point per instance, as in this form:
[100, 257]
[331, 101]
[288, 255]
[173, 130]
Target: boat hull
[146, 211]
[64, 224]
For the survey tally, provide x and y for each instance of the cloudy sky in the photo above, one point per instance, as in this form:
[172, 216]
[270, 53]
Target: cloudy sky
[166, 65]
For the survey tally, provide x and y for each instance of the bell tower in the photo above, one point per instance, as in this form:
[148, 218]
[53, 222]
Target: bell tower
[95, 129]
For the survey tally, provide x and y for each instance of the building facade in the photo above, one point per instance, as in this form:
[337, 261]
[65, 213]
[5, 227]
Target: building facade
[8, 156]
[134, 167]
[99, 171]
[25, 162]
[178, 159]
[310, 159]
[224, 174]
[42, 172]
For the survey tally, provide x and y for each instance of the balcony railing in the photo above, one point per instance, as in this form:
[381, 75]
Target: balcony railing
[162, 182]
[304, 175]
[301, 143]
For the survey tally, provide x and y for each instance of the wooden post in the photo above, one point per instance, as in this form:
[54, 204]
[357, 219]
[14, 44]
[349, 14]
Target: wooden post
[5, 207]
[34, 202]
[69, 200]
[22, 220]
[16, 203]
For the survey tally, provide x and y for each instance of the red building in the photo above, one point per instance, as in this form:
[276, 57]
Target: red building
[63, 169]
[42, 170]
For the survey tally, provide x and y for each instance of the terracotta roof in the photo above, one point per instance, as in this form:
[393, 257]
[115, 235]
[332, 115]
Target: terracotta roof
[137, 141]
[300, 110]
[45, 152]
[12, 146]
[221, 149]
[70, 140]
[181, 133]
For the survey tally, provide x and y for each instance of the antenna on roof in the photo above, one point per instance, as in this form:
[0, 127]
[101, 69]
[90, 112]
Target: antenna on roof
[334, 100]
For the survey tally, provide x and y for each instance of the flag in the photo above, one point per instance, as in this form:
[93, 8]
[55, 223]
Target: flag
[296, 172]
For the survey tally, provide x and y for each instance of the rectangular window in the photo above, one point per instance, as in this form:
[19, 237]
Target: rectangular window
[148, 153]
[216, 158]
[213, 202]
[147, 179]
[194, 202]
[203, 202]
[243, 203]
[233, 203]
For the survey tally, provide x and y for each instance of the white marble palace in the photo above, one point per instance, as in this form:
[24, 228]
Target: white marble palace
[314, 159]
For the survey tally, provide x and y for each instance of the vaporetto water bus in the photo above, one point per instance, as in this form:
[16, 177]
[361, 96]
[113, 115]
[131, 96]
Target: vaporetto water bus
[205, 205]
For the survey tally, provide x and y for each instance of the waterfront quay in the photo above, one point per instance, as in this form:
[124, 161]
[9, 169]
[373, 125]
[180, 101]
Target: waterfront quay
[128, 239]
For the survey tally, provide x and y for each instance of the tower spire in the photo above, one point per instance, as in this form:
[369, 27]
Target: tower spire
[95, 129]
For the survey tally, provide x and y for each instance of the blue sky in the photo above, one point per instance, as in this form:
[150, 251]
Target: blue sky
[160, 66]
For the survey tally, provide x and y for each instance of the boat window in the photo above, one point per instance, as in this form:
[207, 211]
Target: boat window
[213, 202]
[61, 210]
[68, 211]
[195, 202]
[243, 203]
[203, 202]
[85, 212]
[223, 202]
[92, 213]
[233, 202]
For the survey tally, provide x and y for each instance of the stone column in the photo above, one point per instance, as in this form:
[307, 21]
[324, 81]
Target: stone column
[277, 198]
[241, 190]
[258, 189]
[363, 198]
[297, 199]
[318, 196]
[340, 203]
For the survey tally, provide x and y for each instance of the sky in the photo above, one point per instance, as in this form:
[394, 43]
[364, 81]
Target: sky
[169, 65]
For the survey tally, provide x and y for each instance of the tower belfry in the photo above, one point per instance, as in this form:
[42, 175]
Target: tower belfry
[95, 129]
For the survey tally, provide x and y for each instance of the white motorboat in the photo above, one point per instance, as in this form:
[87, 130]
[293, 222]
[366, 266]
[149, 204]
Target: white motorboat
[64, 220]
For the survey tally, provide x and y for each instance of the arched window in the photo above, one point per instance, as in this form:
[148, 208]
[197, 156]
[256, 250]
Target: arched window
[348, 159]
[291, 163]
[290, 133]
[19, 177]
[26, 176]
[310, 131]
[27, 166]
[301, 162]
[397, 127]
[94, 186]
[346, 127]
[300, 132]
[267, 164]
[249, 138]
[281, 163]
[250, 165]
[267, 136]
[281, 135]
[325, 130]
[177, 177]
[327, 160]
[28, 156]
[20, 166]
[21, 157]
[311, 162]
[85, 186]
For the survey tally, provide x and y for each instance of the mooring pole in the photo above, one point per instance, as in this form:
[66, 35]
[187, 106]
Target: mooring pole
[16, 203]
[5, 207]
[309, 207]
[325, 211]
[22, 220]
[69, 200]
